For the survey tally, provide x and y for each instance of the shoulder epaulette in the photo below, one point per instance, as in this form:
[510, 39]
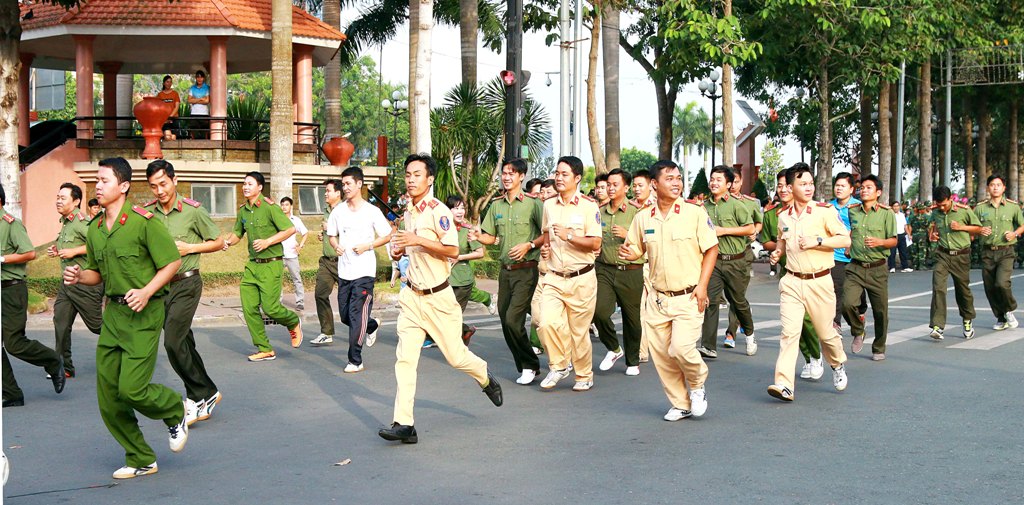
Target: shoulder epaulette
[1012, 201]
[268, 200]
[603, 205]
[771, 206]
[151, 202]
[531, 195]
[588, 198]
[986, 201]
[635, 204]
[192, 202]
[142, 212]
[884, 206]
[9, 218]
[497, 197]
[433, 203]
[825, 204]
[692, 202]
[91, 219]
[781, 208]
[855, 205]
[747, 197]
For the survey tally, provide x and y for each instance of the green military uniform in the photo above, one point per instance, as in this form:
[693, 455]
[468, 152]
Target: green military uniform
[732, 272]
[998, 254]
[867, 271]
[758, 216]
[14, 298]
[127, 257]
[810, 346]
[952, 258]
[326, 279]
[261, 280]
[619, 282]
[462, 280]
[515, 222]
[187, 222]
[74, 300]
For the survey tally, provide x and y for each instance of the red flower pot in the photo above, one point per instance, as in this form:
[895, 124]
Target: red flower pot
[152, 113]
[339, 150]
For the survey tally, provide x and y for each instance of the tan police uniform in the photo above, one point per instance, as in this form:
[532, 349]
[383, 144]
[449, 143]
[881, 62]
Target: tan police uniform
[570, 287]
[675, 244]
[428, 306]
[644, 344]
[808, 289]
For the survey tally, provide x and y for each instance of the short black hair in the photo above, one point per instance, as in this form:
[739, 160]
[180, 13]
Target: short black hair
[3, 196]
[353, 172]
[518, 164]
[737, 171]
[426, 159]
[600, 178]
[156, 166]
[994, 177]
[660, 166]
[258, 177]
[781, 175]
[454, 200]
[533, 182]
[725, 171]
[941, 194]
[643, 174]
[287, 199]
[200, 73]
[93, 202]
[626, 179]
[548, 183]
[122, 169]
[334, 183]
[575, 164]
[796, 171]
[844, 175]
[873, 178]
[76, 192]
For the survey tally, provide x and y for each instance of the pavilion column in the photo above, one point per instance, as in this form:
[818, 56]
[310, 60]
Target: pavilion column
[110, 70]
[218, 85]
[303, 92]
[23, 98]
[83, 82]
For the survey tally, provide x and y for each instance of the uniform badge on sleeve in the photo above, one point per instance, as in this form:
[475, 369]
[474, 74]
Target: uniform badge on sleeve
[710, 224]
[445, 224]
[597, 217]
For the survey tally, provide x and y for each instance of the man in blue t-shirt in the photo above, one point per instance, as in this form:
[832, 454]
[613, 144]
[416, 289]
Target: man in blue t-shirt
[199, 99]
[843, 186]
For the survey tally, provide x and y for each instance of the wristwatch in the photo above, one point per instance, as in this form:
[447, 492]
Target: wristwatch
[568, 237]
[819, 241]
[532, 245]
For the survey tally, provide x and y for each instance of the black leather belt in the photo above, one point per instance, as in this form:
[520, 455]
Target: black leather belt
[185, 275]
[679, 293]
[966, 250]
[118, 299]
[628, 266]
[999, 247]
[814, 275]
[430, 291]
[870, 264]
[11, 282]
[267, 260]
[730, 257]
[577, 273]
[517, 266]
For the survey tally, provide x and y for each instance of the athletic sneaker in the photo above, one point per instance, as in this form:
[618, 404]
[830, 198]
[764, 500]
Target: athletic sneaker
[907, 270]
[858, 344]
[206, 407]
[372, 337]
[1011, 320]
[751, 345]
[817, 369]
[805, 372]
[968, 329]
[353, 368]
[1000, 325]
[553, 377]
[262, 356]
[583, 385]
[936, 333]
[593, 332]
[839, 377]
[730, 341]
[892, 270]
[632, 371]
[707, 353]
[675, 414]
[527, 378]
[323, 339]
[492, 309]
[538, 351]
[609, 360]
[178, 434]
[191, 411]
[130, 472]
[698, 402]
[781, 392]
[427, 344]
[296, 334]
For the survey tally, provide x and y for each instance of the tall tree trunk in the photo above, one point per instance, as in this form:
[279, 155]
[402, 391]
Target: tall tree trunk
[969, 149]
[10, 70]
[894, 130]
[984, 127]
[610, 55]
[1012, 166]
[414, 39]
[867, 135]
[925, 131]
[281, 105]
[594, 134]
[469, 25]
[421, 101]
[884, 138]
[728, 133]
[332, 76]
[823, 175]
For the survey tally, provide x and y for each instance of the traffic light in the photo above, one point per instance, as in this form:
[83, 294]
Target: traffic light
[508, 78]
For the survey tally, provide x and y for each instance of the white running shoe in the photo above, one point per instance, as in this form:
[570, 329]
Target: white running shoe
[805, 372]
[751, 347]
[698, 402]
[1000, 325]
[553, 377]
[817, 369]
[839, 379]
[179, 433]
[1011, 320]
[538, 351]
[322, 339]
[527, 378]
[675, 414]
[192, 411]
[353, 368]
[583, 385]
[609, 360]
[130, 472]
[206, 407]
[492, 309]
[632, 371]
[372, 337]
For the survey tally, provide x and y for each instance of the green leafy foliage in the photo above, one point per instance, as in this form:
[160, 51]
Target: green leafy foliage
[634, 160]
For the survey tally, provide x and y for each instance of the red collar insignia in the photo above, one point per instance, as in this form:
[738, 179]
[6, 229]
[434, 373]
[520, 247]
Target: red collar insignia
[124, 217]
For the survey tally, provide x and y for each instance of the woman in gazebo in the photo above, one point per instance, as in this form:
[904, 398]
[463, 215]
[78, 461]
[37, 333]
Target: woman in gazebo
[168, 95]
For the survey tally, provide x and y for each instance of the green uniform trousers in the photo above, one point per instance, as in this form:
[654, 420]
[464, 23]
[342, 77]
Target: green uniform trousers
[730, 278]
[179, 341]
[126, 355]
[462, 295]
[261, 287]
[624, 287]
[734, 322]
[15, 309]
[480, 296]
[515, 291]
[72, 301]
[996, 269]
[874, 281]
[326, 279]
[959, 267]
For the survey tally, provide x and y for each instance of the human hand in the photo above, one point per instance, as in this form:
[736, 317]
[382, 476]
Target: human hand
[518, 252]
[71, 275]
[183, 248]
[51, 251]
[259, 245]
[545, 251]
[700, 293]
[619, 232]
[626, 253]
[137, 299]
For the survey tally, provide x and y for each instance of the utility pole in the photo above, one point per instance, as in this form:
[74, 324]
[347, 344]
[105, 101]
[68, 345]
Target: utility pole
[514, 90]
[565, 107]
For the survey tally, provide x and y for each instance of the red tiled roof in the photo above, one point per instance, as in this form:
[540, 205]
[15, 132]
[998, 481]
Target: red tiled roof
[242, 14]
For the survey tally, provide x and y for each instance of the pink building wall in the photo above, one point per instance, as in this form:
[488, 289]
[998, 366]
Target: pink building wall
[39, 184]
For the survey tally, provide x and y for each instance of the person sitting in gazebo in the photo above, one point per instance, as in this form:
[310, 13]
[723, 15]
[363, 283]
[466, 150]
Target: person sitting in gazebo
[168, 95]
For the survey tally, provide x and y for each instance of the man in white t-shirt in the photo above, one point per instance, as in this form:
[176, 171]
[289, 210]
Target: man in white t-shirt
[292, 245]
[355, 229]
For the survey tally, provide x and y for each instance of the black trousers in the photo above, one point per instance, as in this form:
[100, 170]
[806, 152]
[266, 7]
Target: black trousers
[901, 246]
[355, 301]
[515, 292]
[838, 279]
[15, 309]
[180, 306]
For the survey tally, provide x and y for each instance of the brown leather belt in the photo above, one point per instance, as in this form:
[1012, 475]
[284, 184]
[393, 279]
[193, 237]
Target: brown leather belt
[11, 282]
[430, 291]
[966, 250]
[870, 264]
[815, 275]
[999, 247]
[185, 275]
[730, 257]
[517, 266]
[679, 293]
[628, 266]
[267, 260]
[577, 273]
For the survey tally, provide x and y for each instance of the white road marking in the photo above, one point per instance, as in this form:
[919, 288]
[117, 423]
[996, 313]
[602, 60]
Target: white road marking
[991, 341]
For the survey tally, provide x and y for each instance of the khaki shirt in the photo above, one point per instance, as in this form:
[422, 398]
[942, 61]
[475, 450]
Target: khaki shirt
[582, 216]
[879, 223]
[1004, 218]
[513, 223]
[817, 220]
[431, 220]
[610, 217]
[261, 220]
[948, 238]
[729, 212]
[13, 240]
[73, 230]
[128, 255]
[187, 222]
[674, 243]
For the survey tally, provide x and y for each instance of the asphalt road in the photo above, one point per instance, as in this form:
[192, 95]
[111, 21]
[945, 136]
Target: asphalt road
[937, 422]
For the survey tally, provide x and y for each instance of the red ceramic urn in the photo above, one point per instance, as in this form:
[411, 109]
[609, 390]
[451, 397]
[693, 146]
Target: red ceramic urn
[339, 150]
[152, 113]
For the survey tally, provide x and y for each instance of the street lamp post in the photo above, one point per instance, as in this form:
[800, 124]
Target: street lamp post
[395, 107]
[708, 86]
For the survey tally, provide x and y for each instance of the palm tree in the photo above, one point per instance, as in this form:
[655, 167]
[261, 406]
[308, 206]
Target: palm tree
[610, 43]
[281, 138]
[332, 72]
